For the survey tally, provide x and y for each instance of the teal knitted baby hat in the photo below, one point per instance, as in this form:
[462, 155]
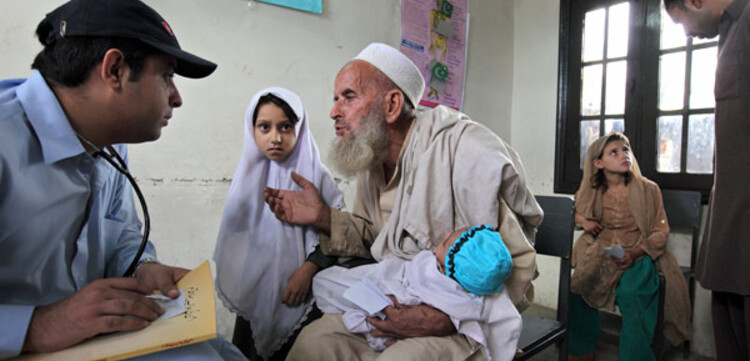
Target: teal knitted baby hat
[479, 261]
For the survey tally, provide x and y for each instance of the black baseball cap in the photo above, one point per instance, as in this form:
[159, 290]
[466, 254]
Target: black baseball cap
[125, 19]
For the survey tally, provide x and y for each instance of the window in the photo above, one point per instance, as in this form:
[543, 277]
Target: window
[625, 66]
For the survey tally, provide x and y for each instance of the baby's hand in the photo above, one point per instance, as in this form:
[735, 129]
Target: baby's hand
[298, 286]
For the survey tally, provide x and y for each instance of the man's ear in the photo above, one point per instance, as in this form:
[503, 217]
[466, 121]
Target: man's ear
[394, 102]
[113, 69]
[695, 4]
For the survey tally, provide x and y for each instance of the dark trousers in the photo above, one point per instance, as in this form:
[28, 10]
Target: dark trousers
[731, 314]
[243, 338]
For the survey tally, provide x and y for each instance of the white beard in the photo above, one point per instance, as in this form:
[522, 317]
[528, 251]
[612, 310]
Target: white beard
[364, 149]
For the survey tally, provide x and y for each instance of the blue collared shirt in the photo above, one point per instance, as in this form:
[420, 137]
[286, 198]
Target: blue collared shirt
[66, 218]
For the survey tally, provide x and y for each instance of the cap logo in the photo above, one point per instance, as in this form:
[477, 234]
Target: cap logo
[63, 28]
[166, 26]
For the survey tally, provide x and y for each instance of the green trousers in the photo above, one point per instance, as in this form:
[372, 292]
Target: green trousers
[637, 296]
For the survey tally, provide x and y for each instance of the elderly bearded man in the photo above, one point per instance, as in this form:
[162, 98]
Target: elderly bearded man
[420, 174]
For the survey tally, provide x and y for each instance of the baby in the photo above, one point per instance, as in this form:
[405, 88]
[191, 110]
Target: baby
[467, 265]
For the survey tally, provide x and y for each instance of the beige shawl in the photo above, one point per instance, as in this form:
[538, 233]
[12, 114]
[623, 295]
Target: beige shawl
[457, 173]
[596, 275]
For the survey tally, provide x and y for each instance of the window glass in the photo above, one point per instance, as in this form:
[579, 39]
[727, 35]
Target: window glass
[591, 90]
[614, 125]
[617, 32]
[670, 144]
[672, 81]
[615, 93]
[702, 77]
[700, 158]
[593, 35]
[589, 133]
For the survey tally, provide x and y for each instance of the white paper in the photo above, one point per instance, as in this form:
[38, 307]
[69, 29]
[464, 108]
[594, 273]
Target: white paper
[172, 307]
[368, 296]
[616, 251]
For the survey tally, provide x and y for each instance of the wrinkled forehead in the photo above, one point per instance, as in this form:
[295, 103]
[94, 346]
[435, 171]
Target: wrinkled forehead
[357, 75]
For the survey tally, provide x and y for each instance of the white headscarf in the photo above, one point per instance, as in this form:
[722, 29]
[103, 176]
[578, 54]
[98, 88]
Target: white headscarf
[255, 252]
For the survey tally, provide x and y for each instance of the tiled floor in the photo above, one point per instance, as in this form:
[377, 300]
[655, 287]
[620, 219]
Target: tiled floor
[606, 349]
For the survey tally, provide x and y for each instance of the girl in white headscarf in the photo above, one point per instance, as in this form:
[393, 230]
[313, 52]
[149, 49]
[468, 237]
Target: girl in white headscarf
[264, 271]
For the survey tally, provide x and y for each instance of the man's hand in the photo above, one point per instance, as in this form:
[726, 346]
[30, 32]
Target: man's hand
[105, 305]
[161, 277]
[298, 286]
[411, 321]
[304, 207]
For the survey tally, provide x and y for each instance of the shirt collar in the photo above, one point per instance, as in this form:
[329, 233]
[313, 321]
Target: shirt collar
[735, 9]
[731, 13]
[56, 136]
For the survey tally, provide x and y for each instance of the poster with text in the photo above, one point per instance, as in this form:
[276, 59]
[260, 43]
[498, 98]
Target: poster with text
[433, 36]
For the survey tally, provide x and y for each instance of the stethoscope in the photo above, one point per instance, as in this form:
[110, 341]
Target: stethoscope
[123, 168]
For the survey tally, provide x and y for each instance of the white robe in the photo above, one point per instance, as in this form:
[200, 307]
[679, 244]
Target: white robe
[457, 173]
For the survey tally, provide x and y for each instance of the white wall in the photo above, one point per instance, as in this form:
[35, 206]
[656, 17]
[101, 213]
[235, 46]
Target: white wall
[533, 135]
[533, 119]
[185, 175]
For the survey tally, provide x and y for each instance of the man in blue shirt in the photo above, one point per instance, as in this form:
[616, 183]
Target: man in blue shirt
[68, 225]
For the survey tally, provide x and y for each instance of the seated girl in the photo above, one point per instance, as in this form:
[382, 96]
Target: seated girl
[466, 266]
[264, 268]
[618, 258]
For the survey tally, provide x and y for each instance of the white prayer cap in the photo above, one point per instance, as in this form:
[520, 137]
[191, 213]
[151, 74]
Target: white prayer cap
[398, 67]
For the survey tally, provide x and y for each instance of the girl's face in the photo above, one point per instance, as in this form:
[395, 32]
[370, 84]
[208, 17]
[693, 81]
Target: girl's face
[274, 132]
[615, 158]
